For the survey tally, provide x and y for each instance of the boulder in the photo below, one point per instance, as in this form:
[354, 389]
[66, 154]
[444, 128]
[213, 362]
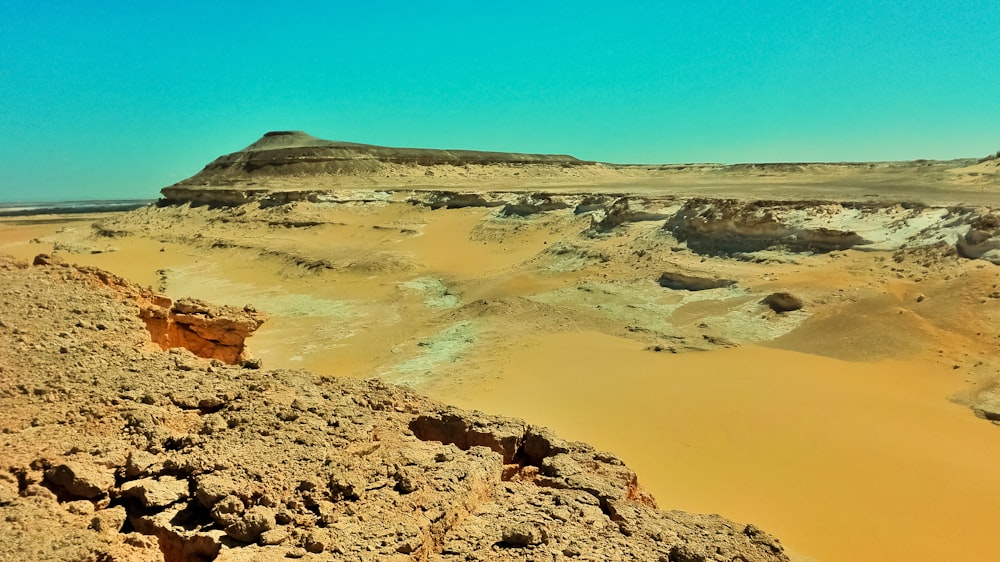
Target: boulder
[782, 302]
[160, 492]
[81, 480]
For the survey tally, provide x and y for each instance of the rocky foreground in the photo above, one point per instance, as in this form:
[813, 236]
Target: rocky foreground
[114, 449]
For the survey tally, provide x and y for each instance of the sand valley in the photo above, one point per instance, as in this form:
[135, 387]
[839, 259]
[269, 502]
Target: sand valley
[810, 348]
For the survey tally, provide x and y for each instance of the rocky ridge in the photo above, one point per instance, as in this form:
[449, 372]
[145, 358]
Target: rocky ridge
[708, 226]
[116, 450]
[291, 166]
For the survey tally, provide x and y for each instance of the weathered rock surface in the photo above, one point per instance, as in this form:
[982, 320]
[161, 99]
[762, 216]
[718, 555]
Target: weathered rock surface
[208, 331]
[288, 166]
[280, 157]
[982, 240]
[80, 480]
[684, 282]
[182, 458]
[730, 226]
[625, 210]
[782, 302]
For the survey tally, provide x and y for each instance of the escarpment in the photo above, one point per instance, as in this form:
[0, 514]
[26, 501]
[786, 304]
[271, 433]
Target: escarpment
[293, 161]
[114, 450]
[805, 207]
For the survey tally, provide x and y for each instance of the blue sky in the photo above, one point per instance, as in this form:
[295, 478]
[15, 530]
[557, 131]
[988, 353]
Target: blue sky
[118, 99]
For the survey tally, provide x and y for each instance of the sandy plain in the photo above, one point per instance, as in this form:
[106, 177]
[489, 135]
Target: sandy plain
[839, 428]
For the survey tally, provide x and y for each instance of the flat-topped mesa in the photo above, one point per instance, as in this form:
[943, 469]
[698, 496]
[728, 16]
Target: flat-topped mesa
[294, 147]
[294, 160]
[288, 166]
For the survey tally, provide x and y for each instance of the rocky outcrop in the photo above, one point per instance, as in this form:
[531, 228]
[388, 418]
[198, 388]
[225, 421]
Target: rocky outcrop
[116, 451]
[683, 282]
[782, 302]
[286, 167]
[982, 241]
[533, 204]
[455, 200]
[731, 226]
[208, 331]
[624, 210]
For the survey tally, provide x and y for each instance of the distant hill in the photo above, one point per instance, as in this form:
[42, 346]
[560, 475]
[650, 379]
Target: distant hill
[296, 166]
[293, 153]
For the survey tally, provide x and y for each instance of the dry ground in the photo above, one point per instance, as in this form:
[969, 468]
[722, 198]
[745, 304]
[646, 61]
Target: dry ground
[837, 427]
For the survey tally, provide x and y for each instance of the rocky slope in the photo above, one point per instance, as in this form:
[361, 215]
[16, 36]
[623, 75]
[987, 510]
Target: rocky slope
[208, 331]
[113, 449]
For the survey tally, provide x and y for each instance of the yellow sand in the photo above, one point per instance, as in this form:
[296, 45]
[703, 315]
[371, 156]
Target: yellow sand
[841, 460]
[844, 461]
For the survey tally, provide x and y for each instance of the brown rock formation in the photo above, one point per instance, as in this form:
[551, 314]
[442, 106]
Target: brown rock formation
[683, 282]
[782, 302]
[274, 161]
[208, 331]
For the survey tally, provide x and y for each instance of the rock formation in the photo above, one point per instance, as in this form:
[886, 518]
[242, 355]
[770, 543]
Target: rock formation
[782, 302]
[982, 240]
[208, 331]
[683, 282]
[114, 450]
[278, 159]
[284, 167]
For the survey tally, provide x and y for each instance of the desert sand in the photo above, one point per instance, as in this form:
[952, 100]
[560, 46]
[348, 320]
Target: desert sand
[853, 427]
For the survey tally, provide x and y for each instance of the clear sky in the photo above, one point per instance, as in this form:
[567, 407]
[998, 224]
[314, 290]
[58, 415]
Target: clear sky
[105, 99]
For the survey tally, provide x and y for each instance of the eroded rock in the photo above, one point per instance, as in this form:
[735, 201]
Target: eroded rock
[982, 241]
[683, 282]
[782, 302]
[208, 331]
[80, 480]
[156, 492]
